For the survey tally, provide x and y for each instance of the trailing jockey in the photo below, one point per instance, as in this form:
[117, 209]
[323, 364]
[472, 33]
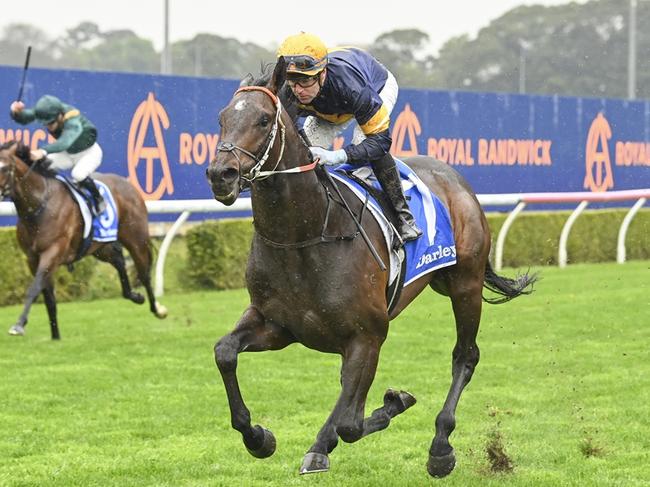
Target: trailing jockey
[336, 87]
[75, 147]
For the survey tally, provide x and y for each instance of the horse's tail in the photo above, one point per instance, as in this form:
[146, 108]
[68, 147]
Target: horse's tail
[506, 287]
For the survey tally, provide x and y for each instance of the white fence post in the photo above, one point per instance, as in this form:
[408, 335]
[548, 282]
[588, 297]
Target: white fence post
[503, 232]
[622, 232]
[566, 229]
[159, 288]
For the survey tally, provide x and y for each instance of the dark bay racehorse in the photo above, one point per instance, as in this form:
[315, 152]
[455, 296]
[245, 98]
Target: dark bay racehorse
[331, 295]
[50, 230]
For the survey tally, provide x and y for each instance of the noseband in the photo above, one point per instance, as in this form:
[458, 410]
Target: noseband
[256, 172]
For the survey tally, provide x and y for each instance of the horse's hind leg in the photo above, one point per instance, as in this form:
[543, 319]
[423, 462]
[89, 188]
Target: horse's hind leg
[465, 294]
[143, 261]
[112, 253]
[252, 334]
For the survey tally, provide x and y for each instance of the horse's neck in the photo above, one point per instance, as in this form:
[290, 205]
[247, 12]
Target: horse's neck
[290, 207]
[30, 191]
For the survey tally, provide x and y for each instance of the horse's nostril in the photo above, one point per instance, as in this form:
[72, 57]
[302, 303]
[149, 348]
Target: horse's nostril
[230, 174]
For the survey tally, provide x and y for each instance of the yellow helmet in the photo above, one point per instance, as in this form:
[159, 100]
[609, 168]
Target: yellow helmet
[304, 53]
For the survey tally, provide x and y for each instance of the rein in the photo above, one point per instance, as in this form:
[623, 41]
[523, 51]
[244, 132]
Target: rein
[256, 172]
[322, 238]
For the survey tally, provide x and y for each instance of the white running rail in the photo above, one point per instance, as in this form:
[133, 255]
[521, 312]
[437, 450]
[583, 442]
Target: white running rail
[518, 200]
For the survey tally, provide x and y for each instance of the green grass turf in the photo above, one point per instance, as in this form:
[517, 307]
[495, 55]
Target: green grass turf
[127, 400]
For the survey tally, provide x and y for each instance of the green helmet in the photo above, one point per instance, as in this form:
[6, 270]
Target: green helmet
[47, 109]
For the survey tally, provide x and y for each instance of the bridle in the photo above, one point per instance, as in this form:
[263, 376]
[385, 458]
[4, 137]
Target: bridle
[278, 125]
[9, 182]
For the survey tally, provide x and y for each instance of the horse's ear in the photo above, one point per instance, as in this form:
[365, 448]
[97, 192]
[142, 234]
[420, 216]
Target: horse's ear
[247, 81]
[279, 75]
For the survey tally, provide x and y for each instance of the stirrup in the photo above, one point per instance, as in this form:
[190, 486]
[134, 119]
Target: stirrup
[409, 231]
[99, 207]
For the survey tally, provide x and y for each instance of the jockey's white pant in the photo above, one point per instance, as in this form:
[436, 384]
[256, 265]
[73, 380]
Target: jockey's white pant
[322, 133]
[82, 163]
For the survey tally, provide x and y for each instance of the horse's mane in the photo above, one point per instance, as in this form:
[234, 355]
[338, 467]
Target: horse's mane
[23, 152]
[287, 97]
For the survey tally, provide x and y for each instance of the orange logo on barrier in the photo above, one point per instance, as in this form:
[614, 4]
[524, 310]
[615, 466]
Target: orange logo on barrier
[406, 124]
[149, 114]
[598, 170]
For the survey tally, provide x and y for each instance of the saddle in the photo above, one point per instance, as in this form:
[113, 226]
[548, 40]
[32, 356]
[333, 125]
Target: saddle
[434, 249]
[395, 285]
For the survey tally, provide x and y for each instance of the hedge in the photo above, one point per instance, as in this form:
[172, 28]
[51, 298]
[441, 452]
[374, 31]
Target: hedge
[216, 253]
[217, 250]
[89, 279]
[534, 237]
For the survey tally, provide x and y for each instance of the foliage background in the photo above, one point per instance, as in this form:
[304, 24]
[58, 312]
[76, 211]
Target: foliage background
[213, 254]
[572, 49]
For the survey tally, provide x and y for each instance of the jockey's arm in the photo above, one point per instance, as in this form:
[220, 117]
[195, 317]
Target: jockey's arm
[372, 148]
[374, 120]
[72, 129]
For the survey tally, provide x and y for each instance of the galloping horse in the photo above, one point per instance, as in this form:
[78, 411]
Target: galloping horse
[50, 230]
[330, 294]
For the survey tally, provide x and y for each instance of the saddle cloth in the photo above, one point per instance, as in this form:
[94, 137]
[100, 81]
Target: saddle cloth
[104, 226]
[435, 249]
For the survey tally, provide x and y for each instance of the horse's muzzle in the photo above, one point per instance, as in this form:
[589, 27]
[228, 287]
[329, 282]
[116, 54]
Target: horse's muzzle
[224, 182]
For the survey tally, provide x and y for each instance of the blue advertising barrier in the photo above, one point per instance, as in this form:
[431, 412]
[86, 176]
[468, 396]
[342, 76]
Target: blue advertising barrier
[161, 132]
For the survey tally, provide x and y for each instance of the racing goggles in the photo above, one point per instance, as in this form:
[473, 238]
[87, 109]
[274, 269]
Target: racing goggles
[304, 64]
[303, 82]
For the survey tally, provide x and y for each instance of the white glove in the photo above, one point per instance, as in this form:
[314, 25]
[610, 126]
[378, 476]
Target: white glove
[329, 157]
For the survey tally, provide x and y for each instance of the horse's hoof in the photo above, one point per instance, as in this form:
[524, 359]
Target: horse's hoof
[441, 466]
[268, 445]
[161, 311]
[17, 331]
[401, 399]
[314, 463]
[137, 298]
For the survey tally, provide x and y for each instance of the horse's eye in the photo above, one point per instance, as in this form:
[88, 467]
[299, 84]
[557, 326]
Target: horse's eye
[264, 121]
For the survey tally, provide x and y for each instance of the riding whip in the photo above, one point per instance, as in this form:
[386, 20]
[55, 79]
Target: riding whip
[22, 82]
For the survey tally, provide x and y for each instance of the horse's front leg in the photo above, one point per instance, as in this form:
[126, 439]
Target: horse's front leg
[346, 420]
[50, 304]
[45, 268]
[251, 334]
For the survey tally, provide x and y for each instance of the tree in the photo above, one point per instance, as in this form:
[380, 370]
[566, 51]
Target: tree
[572, 49]
[212, 55]
[15, 39]
[404, 52]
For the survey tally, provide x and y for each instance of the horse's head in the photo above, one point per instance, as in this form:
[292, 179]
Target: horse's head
[9, 153]
[252, 137]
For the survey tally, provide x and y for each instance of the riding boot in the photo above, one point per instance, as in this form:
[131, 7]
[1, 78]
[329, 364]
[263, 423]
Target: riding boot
[388, 177]
[100, 204]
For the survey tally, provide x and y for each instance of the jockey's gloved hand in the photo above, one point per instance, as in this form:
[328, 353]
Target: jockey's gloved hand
[329, 157]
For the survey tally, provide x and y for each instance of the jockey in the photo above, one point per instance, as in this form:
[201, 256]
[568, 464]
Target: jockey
[75, 146]
[336, 87]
